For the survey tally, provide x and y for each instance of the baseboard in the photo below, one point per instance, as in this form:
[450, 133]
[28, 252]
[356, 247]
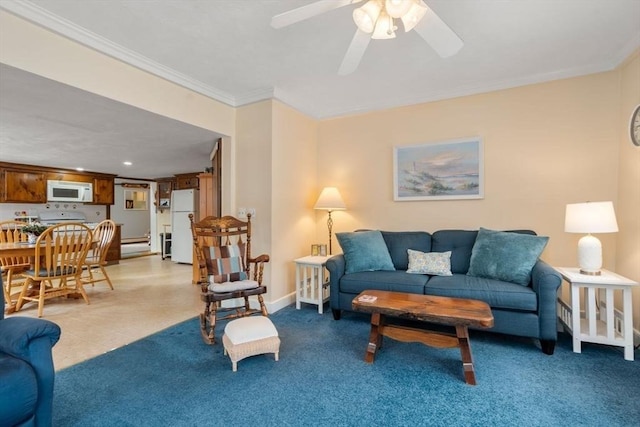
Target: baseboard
[272, 306]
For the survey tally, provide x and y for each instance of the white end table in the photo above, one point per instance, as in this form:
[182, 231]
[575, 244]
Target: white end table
[311, 284]
[593, 328]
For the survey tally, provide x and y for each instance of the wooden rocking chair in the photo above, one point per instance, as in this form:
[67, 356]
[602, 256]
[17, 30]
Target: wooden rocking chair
[227, 270]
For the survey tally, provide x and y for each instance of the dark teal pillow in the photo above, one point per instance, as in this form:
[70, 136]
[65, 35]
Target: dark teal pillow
[509, 257]
[365, 251]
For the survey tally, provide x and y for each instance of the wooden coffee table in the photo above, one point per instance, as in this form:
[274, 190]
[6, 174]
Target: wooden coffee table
[457, 312]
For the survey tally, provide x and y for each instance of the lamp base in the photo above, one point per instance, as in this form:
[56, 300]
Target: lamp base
[590, 255]
[590, 273]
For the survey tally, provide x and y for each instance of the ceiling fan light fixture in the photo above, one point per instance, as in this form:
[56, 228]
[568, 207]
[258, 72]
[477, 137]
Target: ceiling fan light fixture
[384, 28]
[415, 13]
[366, 16]
[398, 8]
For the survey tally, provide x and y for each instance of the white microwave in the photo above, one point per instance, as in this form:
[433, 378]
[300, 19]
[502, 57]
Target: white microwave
[69, 191]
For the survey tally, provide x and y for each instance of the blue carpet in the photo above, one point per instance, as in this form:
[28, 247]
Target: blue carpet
[173, 378]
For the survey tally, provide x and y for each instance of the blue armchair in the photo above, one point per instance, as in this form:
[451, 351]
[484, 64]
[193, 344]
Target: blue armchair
[26, 369]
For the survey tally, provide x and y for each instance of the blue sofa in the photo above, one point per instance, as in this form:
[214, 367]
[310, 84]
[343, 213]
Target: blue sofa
[528, 311]
[26, 369]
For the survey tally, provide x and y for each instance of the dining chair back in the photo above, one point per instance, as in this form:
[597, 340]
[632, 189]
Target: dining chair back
[94, 264]
[59, 256]
[12, 266]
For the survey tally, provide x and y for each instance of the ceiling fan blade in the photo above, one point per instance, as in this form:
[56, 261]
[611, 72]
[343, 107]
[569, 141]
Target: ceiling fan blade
[438, 34]
[355, 53]
[309, 11]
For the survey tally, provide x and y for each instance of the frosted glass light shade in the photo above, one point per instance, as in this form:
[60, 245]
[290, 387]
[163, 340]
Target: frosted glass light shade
[384, 28]
[330, 200]
[366, 16]
[397, 8]
[414, 15]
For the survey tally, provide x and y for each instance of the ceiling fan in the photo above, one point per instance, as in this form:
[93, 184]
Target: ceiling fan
[376, 19]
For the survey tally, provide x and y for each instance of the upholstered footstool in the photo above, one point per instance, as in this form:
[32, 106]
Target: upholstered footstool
[250, 336]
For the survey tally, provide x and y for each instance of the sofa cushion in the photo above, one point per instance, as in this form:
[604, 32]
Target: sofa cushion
[399, 281]
[364, 251]
[18, 390]
[399, 241]
[434, 263]
[505, 256]
[459, 242]
[496, 293]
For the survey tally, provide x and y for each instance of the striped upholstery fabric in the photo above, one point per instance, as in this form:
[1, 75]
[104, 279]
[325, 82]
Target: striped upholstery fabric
[225, 263]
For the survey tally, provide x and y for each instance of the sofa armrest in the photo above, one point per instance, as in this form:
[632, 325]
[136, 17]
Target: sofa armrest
[545, 281]
[18, 333]
[336, 266]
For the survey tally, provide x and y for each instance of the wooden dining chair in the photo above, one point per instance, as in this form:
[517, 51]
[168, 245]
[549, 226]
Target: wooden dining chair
[96, 260]
[59, 256]
[12, 266]
[227, 270]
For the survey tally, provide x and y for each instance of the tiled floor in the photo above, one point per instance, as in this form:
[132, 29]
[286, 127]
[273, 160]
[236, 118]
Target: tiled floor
[149, 295]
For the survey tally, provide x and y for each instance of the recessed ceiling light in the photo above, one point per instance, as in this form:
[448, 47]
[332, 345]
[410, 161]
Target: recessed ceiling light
[79, 169]
[127, 163]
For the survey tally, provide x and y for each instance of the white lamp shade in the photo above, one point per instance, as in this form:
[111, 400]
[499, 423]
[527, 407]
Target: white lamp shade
[590, 217]
[330, 200]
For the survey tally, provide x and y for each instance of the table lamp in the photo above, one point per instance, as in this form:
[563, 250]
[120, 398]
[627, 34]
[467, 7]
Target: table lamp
[330, 200]
[590, 217]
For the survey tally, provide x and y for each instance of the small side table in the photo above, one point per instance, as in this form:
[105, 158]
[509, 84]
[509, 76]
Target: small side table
[311, 282]
[600, 324]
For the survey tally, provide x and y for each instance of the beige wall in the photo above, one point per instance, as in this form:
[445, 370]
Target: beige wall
[294, 192]
[628, 206]
[276, 175]
[545, 145]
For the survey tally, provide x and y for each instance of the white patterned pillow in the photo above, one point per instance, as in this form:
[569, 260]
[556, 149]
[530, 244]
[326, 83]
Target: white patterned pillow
[434, 263]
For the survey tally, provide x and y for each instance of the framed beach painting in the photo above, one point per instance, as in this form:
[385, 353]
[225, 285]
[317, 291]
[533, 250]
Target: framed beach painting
[444, 170]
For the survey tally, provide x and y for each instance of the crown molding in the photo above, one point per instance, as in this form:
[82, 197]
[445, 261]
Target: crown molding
[42, 17]
[460, 92]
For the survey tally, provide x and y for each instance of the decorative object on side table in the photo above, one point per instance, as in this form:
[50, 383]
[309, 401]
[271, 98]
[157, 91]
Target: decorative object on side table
[33, 230]
[330, 200]
[590, 217]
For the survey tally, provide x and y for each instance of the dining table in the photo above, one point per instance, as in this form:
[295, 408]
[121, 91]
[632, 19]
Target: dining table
[19, 249]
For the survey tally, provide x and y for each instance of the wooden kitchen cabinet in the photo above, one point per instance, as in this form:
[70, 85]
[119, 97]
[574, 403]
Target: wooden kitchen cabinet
[22, 186]
[187, 181]
[103, 191]
[21, 183]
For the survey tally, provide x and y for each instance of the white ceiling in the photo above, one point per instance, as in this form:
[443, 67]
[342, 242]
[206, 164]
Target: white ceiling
[227, 50]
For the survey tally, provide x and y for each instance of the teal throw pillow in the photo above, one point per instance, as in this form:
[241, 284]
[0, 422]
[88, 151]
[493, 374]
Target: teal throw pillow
[365, 251]
[505, 256]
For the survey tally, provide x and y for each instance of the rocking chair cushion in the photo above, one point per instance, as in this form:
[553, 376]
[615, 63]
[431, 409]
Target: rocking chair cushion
[238, 285]
[225, 263]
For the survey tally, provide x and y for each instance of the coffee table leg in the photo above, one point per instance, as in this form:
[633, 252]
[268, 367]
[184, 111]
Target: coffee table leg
[375, 337]
[465, 351]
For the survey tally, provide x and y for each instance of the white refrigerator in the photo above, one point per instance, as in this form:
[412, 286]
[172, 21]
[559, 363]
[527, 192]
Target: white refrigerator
[183, 203]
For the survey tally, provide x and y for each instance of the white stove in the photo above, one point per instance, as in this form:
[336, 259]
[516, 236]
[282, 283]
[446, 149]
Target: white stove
[58, 217]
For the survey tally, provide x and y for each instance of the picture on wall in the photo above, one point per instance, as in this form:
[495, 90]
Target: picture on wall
[439, 171]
